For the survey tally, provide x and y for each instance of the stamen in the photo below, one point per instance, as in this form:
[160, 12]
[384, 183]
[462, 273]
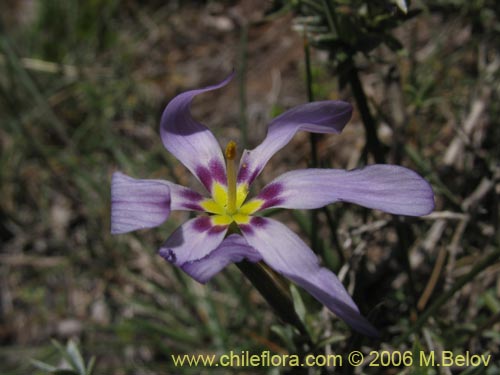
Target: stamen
[231, 177]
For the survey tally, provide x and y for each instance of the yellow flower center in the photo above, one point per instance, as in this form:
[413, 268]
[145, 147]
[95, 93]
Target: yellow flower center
[226, 203]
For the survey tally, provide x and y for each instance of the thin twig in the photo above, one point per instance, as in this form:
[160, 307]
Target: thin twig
[457, 145]
[431, 284]
[446, 215]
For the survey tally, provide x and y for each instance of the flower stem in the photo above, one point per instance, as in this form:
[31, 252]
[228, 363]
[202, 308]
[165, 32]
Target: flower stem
[373, 145]
[313, 138]
[275, 292]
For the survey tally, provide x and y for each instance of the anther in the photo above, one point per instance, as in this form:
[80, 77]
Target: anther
[231, 150]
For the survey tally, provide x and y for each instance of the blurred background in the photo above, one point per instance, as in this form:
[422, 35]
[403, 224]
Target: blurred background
[82, 88]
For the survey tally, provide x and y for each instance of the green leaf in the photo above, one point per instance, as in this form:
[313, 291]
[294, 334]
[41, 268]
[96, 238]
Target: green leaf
[90, 366]
[71, 356]
[42, 365]
[402, 5]
[64, 353]
[76, 357]
[298, 304]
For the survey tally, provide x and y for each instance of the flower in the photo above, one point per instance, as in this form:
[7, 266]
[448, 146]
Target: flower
[204, 245]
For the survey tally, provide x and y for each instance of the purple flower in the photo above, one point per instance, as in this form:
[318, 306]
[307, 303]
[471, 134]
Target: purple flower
[204, 245]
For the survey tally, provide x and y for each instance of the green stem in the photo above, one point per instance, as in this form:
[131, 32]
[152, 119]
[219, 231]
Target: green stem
[405, 239]
[373, 145]
[307, 60]
[331, 18]
[333, 234]
[275, 292]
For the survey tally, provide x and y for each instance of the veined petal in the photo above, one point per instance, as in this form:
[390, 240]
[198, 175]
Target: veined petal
[181, 198]
[193, 240]
[233, 249]
[138, 204]
[316, 117]
[192, 143]
[389, 188]
[286, 253]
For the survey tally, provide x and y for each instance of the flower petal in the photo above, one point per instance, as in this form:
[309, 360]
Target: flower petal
[193, 240]
[316, 117]
[389, 188]
[138, 204]
[181, 197]
[233, 249]
[286, 253]
[192, 143]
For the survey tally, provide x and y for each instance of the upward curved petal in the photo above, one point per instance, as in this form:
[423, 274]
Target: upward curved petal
[389, 188]
[192, 143]
[286, 253]
[137, 204]
[316, 117]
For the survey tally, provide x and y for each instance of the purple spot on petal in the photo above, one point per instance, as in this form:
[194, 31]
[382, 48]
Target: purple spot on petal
[243, 172]
[192, 206]
[258, 222]
[247, 172]
[254, 175]
[204, 176]
[191, 195]
[271, 191]
[217, 229]
[202, 224]
[217, 171]
[270, 194]
[245, 228]
[272, 203]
